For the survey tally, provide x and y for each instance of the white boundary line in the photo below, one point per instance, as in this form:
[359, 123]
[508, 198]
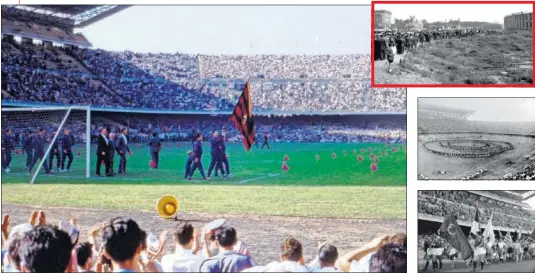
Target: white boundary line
[258, 178]
[138, 179]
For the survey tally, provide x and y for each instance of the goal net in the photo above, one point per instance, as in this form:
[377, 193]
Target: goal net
[45, 144]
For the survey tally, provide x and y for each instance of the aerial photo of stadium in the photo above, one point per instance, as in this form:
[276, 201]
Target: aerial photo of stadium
[476, 138]
[476, 231]
[269, 122]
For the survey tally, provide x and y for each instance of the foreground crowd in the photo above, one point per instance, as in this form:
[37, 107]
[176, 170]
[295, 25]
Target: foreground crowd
[34, 73]
[463, 204]
[124, 247]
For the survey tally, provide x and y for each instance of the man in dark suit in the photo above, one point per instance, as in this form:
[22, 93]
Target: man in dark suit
[67, 143]
[102, 151]
[197, 158]
[27, 147]
[216, 162]
[55, 152]
[38, 145]
[111, 154]
[8, 143]
[122, 149]
[265, 142]
[223, 155]
[155, 146]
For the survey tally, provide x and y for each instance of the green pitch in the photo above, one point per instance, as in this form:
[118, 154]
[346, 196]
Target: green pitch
[340, 187]
[256, 167]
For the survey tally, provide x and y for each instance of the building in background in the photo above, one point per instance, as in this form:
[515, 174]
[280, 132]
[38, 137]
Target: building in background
[518, 22]
[383, 19]
[415, 24]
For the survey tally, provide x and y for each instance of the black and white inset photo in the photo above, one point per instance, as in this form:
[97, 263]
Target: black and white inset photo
[476, 231]
[476, 138]
[451, 44]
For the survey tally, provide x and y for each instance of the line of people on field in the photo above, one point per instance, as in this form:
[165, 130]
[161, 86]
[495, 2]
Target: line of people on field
[409, 41]
[219, 159]
[485, 251]
[107, 146]
[35, 146]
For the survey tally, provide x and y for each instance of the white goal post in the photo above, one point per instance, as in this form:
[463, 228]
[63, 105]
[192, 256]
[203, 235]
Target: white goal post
[23, 120]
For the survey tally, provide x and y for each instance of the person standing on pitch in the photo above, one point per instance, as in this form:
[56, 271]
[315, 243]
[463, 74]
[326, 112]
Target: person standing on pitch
[265, 142]
[215, 144]
[27, 146]
[55, 152]
[111, 154]
[390, 58]
[155, 146]
[189, 162]
[38, 146]
[102, 151]
[197, 158]
[67, 143]
[7, 148]
[122, 148]
[224, 159]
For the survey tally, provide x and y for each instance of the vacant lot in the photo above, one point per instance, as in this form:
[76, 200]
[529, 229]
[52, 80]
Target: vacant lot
[482, 59]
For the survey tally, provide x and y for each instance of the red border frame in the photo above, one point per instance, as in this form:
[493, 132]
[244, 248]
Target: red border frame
[375, 85]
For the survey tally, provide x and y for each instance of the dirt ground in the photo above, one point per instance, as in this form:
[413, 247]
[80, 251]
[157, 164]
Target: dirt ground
[262, 234]
[399, 74]
[480, 59]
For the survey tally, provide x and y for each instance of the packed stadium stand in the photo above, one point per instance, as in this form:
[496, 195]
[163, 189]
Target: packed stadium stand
[509, 212]
[438, 119]
[66, 74]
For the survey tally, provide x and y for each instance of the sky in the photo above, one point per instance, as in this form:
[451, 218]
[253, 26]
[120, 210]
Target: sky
[235, 30]
[491, 109]
[466, 12]
[531, 202]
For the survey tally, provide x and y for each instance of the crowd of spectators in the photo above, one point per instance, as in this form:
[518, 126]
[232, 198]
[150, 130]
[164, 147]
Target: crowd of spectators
[438, 125]
[525, 173]
[464, 204]
[178, 81]
[357, 129]
[123, 246]
[286, 66]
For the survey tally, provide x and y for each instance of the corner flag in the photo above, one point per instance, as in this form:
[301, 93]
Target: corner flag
[242, 117]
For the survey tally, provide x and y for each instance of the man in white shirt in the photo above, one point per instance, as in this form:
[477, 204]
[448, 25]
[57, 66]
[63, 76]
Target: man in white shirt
[184, 259]
[291, 259]
[501, 249]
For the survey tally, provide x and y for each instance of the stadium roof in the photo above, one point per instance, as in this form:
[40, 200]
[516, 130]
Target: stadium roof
[69, 16]
[523, 195]
[444, 109]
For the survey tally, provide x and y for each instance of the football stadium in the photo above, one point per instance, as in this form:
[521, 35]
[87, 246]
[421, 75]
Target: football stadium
[503, 219]
[454, 143]
[291, 151]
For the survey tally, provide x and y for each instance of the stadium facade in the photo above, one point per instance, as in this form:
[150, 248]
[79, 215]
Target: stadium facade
[383, 19]
[518, 22]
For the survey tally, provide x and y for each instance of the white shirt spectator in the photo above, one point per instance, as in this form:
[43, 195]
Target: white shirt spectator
[183, 260]
[286, 266]
[362, 265]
